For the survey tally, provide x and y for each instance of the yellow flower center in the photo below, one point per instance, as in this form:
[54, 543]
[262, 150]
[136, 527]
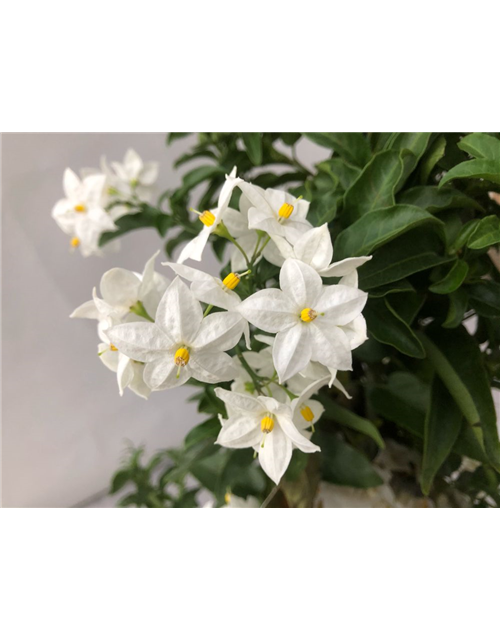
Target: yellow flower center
[181, 357]
[231, 281]
[308, 315]
[208, 218]
[112, 347]
[227, 498]
[74, 242]
[267, 424]
[286, 210]
[80, 208]
[307, 414]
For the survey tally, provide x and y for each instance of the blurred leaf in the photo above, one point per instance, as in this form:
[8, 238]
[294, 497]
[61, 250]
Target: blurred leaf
[452, 280]
[443, 422]
[485, 233]
[481, 145]
[337, 413]
[253, 145]
[172, 137]
[196, 177]
[458, 306]
[206, 430]
[290, 138]
[485, 298]
[407, 305]
[432, 156]
[374, 188]
[379, 227]
[147, 217]
[387, 327]
[344, 465]
[120, 479]
[485, 169]
[353, 147]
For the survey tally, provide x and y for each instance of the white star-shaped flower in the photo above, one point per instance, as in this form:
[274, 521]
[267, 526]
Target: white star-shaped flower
[210, 219]
[181, 343]
[307, 318]
[264, 424]
[131, 177]
[81, 214]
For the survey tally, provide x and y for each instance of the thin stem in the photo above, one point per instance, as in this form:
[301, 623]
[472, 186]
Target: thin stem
[249, 370]
[270, 497]
[238, 246]
[139, 310]
[208, 309]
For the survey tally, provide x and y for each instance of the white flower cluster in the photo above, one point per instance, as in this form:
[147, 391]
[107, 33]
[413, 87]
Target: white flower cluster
[157, 335]
[85, 213]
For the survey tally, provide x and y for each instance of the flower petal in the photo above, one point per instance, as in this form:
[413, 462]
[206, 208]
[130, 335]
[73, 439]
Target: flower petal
[149, 173]
[240, 432]
[147, 280]
[240, 401]
[142, 341]
[275, 455]
[269, 310]
[133, 163]
[257, 196]
[315, 247]
[291, 432]
[86, 310]
[211, 366]
[344, 267]
[194, 248]
[356, 331]
[292, 351]
[179, 313]
[341, 304]
[211, 292]
[189, 273]
[124, 373]
[120, 287]
[73, 189]
[163, 373]
[258, 219]
[330, 346]
[301, 283]
[221, 331]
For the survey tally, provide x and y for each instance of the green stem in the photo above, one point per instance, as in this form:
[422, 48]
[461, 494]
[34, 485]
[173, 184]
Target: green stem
[249, 370]
[139, 310]
[208, 309]
[223, 232]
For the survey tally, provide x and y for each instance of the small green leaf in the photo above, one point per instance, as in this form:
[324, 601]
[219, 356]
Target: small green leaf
[432, 156]
[484, 234]
[344, 465]
[343, 416]
[379, 227]
[374, 188]
[452, 280]
[387, 327]
[253, 145]
[485, 169]
[459, 301]
[120, 479]
[443, 422]
[172, 137]
[481, 145]
[353, 147]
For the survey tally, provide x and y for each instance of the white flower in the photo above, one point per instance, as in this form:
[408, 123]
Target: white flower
[276, 212]
[124, 292]
[315, 248]
[307, 412]
[307, 318]
[210, 219]
[235, 502]
[181, 344]
[131, 178]
[265, 424]
[81, 214]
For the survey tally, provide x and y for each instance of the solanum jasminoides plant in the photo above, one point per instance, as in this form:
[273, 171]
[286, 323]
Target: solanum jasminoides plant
[347, 350]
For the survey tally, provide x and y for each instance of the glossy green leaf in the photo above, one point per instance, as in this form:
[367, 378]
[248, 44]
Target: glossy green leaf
[485, 169]
[459, 302]
[434, 199]
[253, 145]
[458, 361]
[452, 280]
[401, 286]
[481, 145]
[147, 217]
[407, 305]
[336, 412]
[197, 176]
[379, 227]
[340, 170]
[387, 327]
[374, 188]
[353, 147]
[485, 233]
[432, 156]
[323, 208]
[443, 422]
[344, 465]
[412, 147]
[485, 298]
[463, 236]
[412, 253]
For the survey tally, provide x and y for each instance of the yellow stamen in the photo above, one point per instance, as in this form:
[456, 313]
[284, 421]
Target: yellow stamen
[227, 498]
[231, 281]
[74, 242]
[181, 357]
[112, 347]
[307, 414]
[80, 208]
[308, 315]
[267, 424]
[286, 210]
[208, 218]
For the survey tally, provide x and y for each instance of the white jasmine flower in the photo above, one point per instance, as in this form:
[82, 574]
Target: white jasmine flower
[315, 248]
[265, 424]
[131, 178]
[181, 344]
[276, 212]
[81, 214]
[307, 318]
[307, 412]
[210, 219]
[124, 292]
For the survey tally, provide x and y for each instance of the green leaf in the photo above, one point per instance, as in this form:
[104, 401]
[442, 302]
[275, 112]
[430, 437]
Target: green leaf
[432, 156]
[379, 227]
[147, 217]
[374, 188]
[407, 305]
[344, 465]
[387, 327]
[353, 147]
[412, 147]
[485, 169]
[459, 363]
[195, 177]
[484, 234]
[481, 145]
[453, 279]
[336, 412]
[465, 233]
[340, 170]
[253, 145]
[290, 138]
[485, 298]
[401, 286]
[412, 253]
[459, 301]
[120, 479]
[442, 426]
[207, 430]
[322, 209]
[172, 137]
[434, 199]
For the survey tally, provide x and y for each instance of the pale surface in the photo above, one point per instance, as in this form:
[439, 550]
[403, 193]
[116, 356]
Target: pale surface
[65, 427]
